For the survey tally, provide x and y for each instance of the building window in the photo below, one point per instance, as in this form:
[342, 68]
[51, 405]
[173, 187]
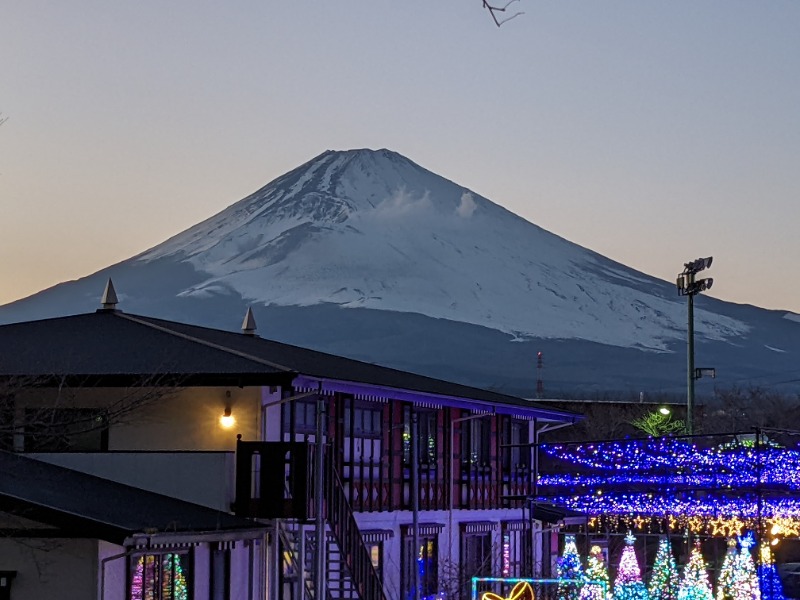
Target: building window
[376, 556]
[162, 576]
[427, 432]
[424, 560]
[515, 550]
[65, 430]
[220, 574]
[518, 455]
[476, 556]
[300, 417]
[475, 443]
[363, 420]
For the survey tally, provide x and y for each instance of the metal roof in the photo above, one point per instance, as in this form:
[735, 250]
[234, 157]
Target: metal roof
[110, 347]
[82, 505]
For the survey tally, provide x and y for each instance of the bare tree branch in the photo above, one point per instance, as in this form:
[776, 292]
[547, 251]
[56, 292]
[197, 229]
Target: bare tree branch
[494, 10]
[40, 413]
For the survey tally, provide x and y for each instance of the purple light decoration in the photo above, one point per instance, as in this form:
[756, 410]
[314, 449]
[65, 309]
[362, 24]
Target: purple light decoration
[665, 505]
[654, 453]
[725, 488]
[782, 476]
[506, 555]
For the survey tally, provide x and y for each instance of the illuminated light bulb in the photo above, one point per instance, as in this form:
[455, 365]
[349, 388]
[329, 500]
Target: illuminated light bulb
[227, 420]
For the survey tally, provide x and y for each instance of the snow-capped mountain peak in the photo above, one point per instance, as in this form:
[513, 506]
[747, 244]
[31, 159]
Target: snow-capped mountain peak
[372, 229]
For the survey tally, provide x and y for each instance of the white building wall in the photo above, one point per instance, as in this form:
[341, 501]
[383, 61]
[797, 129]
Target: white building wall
[240, 570]
[270, 414]
[202, 572]
[448, 539]
[111, 571]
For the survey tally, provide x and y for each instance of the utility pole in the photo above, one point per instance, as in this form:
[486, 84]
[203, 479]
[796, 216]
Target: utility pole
[415, 499]
[689, 286]
[319, 499]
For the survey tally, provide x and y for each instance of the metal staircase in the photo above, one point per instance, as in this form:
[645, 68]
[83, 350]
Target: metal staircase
[297, 558]
[357, 577]
[349, 572]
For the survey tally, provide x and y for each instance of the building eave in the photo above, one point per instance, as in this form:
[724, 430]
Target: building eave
[368, 391]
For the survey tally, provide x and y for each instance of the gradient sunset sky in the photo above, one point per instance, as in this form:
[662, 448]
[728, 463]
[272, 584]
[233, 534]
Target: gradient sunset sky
[650, 132]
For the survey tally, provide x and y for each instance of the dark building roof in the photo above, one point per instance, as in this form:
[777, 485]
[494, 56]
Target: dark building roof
[110, 344]
[81, 505]
[109, 348]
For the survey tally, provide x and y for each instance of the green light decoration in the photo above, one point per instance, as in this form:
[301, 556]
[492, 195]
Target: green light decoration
[597, 582]
[695, 585]
[659, 424]
[173, 583]
[570, 571]
[628, 584]
[726, 584]
[664, 581]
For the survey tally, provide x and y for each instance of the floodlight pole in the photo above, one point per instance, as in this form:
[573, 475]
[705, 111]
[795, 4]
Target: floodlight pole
[690, 369]
[689, 285]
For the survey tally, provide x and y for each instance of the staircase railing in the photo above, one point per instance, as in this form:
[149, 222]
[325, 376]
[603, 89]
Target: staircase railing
[345, 530]
[291, 542]
[274, 480]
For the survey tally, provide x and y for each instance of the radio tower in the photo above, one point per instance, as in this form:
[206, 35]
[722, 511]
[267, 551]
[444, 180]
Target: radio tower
[539, 381]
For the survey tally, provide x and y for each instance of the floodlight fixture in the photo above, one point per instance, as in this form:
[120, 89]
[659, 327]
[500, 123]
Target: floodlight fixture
[700, 372]
[698, 265]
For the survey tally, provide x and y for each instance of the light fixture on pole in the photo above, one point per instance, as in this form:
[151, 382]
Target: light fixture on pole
[689, 286]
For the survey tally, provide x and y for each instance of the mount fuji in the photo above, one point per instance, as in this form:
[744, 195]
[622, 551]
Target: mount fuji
[366, 254]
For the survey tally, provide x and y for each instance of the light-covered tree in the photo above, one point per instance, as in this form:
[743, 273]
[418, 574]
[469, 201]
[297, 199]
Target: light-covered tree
[596, 586]
[745, 576]
[727, 573]
[570, 571]
[629, 585]
[664, 581]
[694, 584]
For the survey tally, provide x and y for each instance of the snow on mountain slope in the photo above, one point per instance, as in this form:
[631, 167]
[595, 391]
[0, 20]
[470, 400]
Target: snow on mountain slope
[372, 229]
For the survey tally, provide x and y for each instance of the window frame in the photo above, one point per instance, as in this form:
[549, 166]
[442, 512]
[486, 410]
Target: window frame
[427, 428]
[299, 417]
[187, 565]
[356, 411]
[429, 583]
[486, 566]
[516, 457]
[67, 433]
[476, 443]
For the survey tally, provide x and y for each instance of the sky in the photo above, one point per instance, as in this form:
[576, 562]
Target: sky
[651, 132]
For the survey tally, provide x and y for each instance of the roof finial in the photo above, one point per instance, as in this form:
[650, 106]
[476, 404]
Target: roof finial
[109, 299]
[249, 323]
